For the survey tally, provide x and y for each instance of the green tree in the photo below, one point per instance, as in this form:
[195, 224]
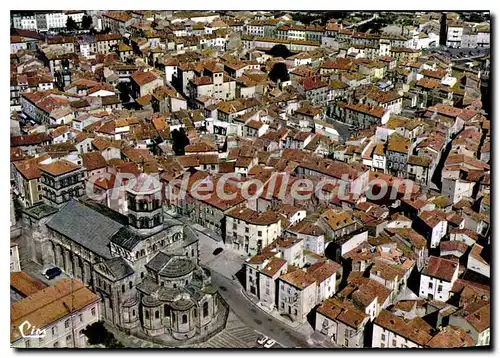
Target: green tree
[124, 92]
[96, 333]
[280, 50]
[71, 24]
[180, 141]
[86, 22]
[279, 71]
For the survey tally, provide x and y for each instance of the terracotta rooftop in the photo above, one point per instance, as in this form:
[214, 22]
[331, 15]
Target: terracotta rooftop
[50, 305]
[299, 279]
[343, 311]
[451, 337]
[440, 268]
[142, 78]
[59, 167]
[365, 109]
[24, 284]
[273, 267]
[323, 270]
[93, 161]
[415, 330]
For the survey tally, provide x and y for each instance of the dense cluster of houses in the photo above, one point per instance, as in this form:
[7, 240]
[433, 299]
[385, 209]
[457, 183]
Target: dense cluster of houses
[409, 268]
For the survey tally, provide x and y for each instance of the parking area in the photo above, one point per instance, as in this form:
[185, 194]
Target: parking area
[226, 262]
[38, 272]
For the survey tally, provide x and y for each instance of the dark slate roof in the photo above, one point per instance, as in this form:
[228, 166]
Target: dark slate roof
[189, 236]
[169, 294]
[86, 226]
[110, 213]
[126, 238]
[148, 286]
[40, 211]
[171, 222]
[158, 262]
[119, 267]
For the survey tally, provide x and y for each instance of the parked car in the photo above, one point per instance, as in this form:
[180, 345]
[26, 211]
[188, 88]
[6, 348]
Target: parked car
[262, 340]
[270, 343]
[218, 251]
[53, 272]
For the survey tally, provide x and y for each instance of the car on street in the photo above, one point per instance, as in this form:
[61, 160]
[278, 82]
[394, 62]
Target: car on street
[217, 251]
[262, 340]
[53, 272]
[269, 343]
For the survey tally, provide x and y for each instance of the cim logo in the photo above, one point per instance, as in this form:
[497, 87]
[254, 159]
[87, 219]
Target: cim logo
[25, 327]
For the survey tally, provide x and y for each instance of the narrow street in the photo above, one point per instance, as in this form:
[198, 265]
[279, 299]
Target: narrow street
[224, 267]
[437, 176]
[254, 317]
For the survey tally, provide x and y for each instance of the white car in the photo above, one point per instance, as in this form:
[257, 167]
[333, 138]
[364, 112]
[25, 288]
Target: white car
[270, 343]
[262, 340]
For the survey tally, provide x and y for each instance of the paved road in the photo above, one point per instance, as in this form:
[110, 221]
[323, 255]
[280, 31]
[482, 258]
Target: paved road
[363, 22]
[342, 128]
[259, 320]
[236, 335]
[437, 178]
[224, 266]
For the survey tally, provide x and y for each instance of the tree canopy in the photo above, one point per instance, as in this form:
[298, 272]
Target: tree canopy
[279, 71]
[96, 333]
[71, 24]
[280, 51]
[180, 141]
[86, 21]
[124, 92]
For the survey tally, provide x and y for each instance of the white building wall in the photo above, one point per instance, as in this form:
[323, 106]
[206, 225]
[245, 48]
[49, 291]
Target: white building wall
[431, 285]
[438, 233]
[383, 338]
[63, 333]
[478, 266]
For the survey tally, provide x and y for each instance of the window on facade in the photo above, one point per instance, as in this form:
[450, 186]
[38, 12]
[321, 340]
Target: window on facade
[184, 319]
[80, 316]
[56, 344]
[123, 288]
[147, 314]
[142, 274]
[205, 309]
[394, 343]
[133, 313]
[54, 330]
[157, 314]
[66, 323]
[430, 284]
[259, 233]
[440, 288]
[383, 337]
[92, 311]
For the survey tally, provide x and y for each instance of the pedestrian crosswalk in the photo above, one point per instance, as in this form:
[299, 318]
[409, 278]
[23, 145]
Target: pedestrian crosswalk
[235, 335]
